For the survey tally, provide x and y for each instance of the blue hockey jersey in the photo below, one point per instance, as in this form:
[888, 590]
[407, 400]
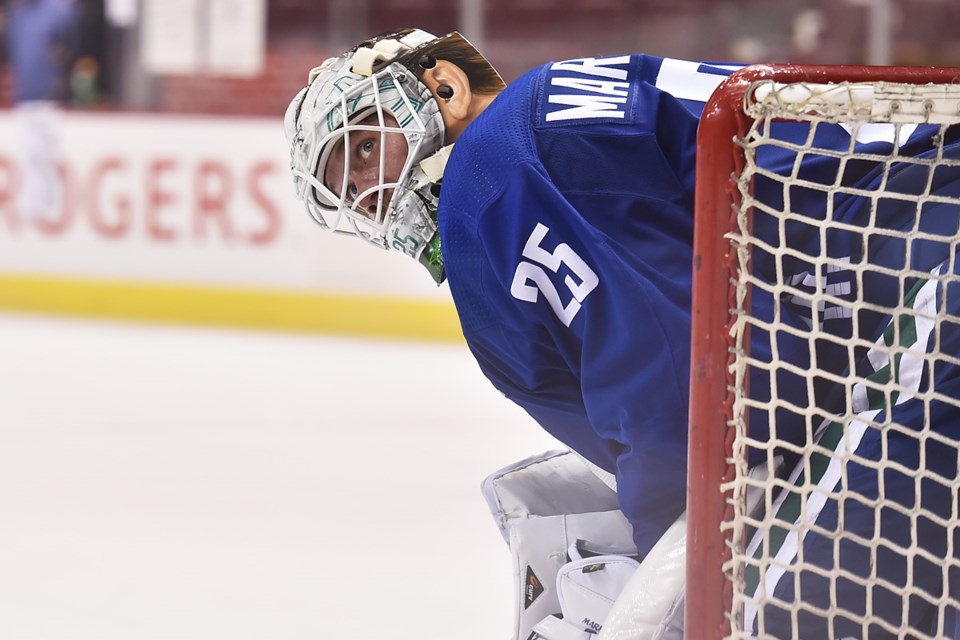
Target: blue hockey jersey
[566, 221]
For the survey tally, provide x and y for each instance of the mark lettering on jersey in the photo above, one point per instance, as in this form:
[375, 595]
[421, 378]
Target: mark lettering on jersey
[598, 90]
[534, 270]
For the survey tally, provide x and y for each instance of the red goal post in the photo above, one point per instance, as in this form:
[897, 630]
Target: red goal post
[712, 466]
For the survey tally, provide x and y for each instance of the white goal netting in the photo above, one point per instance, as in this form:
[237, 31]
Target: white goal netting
[845, 347]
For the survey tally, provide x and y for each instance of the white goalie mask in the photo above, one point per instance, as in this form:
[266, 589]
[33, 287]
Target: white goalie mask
[365, 96]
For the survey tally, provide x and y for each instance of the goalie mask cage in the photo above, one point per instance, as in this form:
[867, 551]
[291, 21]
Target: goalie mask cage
[720, 599]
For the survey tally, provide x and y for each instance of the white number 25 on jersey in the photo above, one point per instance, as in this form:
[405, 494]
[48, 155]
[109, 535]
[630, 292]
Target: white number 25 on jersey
[535, 272]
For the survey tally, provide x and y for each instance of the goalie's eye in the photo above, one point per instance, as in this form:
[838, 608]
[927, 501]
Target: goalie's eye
[354, 165]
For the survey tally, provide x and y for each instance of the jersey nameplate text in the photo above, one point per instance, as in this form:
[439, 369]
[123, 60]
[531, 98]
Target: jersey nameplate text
[588, 89]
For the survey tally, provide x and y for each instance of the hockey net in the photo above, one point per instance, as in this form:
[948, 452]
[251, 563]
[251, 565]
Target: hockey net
[738, 527]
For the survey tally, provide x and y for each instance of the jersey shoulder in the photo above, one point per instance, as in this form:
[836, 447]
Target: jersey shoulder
[490, 147]
[485, 159]
[626, 89]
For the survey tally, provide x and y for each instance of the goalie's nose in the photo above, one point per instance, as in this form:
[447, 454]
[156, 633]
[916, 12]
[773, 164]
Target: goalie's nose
[363, 192]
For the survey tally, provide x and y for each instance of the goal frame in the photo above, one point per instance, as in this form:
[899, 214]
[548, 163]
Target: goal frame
[714, 265]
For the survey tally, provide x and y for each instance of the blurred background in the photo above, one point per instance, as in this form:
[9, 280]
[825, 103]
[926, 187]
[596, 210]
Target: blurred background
[140, 140]
[217, 421]
[248, 56]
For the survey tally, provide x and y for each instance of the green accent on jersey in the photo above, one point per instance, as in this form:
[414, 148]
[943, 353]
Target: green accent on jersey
[789, 512]
[907, 325]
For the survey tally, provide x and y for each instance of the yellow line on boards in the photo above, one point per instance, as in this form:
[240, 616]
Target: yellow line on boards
[359, 316]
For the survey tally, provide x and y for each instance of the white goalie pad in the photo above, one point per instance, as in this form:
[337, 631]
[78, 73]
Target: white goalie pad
[651, 606]
[552, 483]
[653, 591]
[542, 506]
[588, 586]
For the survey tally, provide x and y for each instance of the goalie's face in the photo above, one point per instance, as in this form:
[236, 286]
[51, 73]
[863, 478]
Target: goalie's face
[364, 168]
[356, 141]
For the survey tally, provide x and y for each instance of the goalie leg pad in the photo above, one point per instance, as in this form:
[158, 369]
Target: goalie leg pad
[543, 505]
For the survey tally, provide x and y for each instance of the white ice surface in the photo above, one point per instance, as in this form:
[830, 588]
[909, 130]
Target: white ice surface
[190, 484]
